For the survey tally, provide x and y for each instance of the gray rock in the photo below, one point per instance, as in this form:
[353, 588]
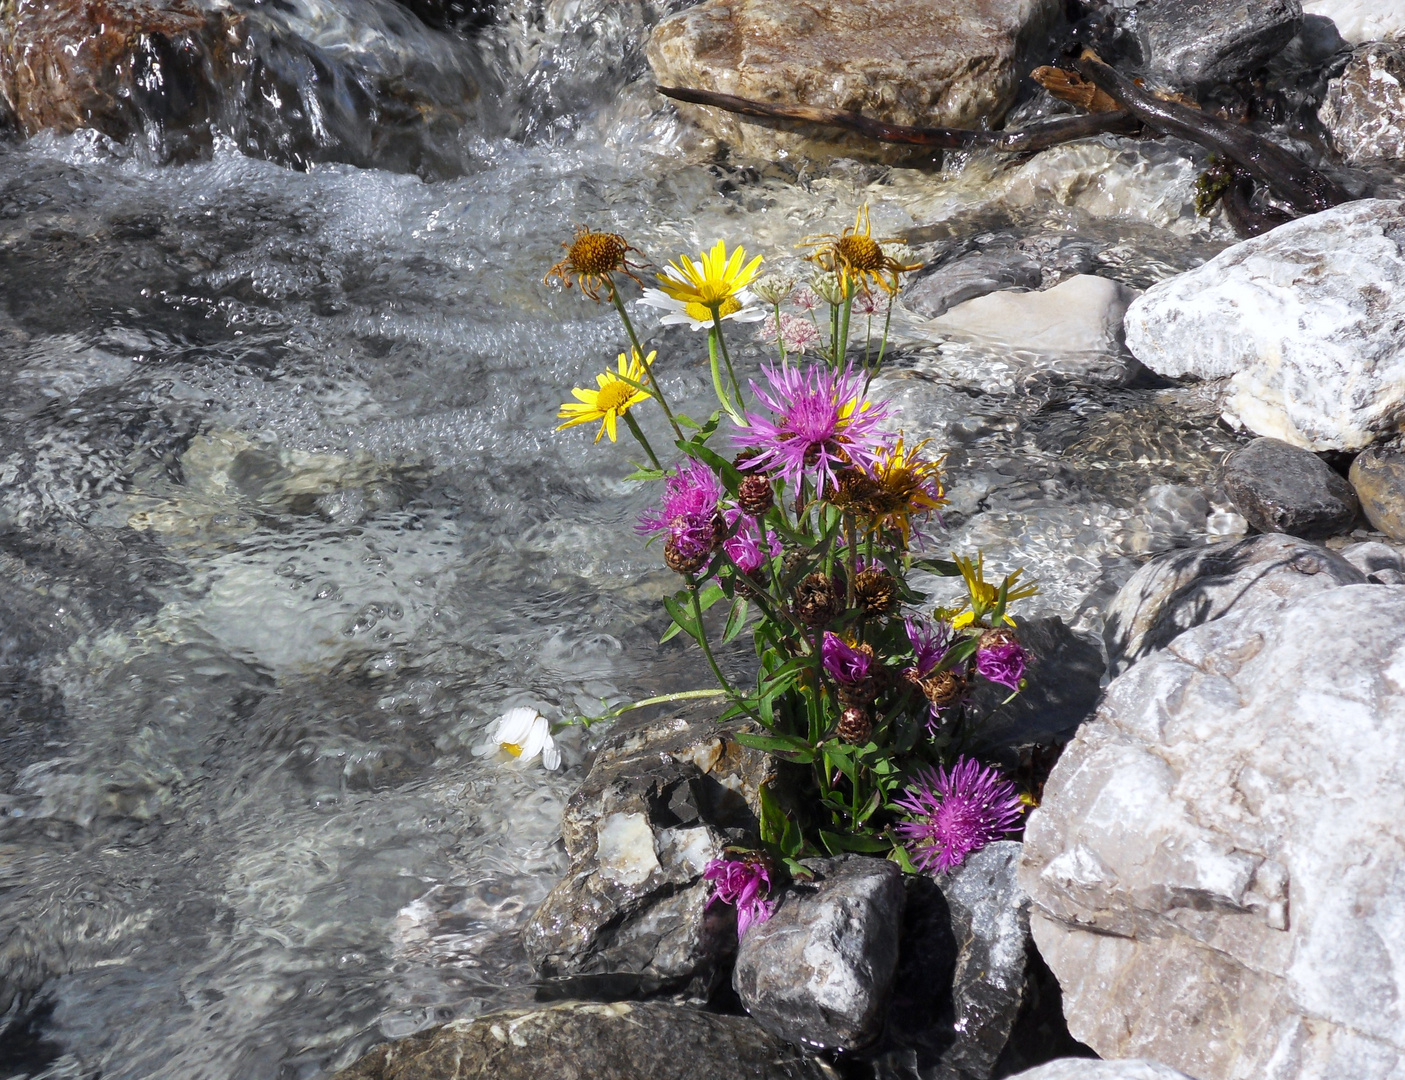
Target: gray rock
[1216, 867]
[1379, 479]
[1087, 1069]
[1285, 489]
[1186, 588]
[1192, 43]
[1364, 108]
[1308, 320]
[1361, 20]
[1381, 563]
[819, 972]
[661, 801]
[620, 1041]
[971, 275]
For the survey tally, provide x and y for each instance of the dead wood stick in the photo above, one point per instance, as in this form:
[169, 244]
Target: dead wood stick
[1302, 187]
[1039, 136]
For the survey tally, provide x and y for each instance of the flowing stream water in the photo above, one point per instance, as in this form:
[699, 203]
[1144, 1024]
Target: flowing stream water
[284, 523]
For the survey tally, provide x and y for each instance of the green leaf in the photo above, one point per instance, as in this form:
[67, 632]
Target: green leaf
[777, 827]
[787, 747]
[671, 633]
[900, 856]
[841, 842]
[707, 596]
[940, 567]
[683, 618]
[736, 619]
[646, 474]
[728, 472]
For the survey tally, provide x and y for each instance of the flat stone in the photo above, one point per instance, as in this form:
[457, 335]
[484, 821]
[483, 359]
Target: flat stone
[1285, 489]
[1216, 866]
[1183, 589]
[620, 1041]
[819, 972]
[661, 800]
[1379, 479]
[1308, 320]
[1191, 43]
[1082, 314]
[954, 63]
[1361, 20]
[1364, 110]
[1089, 1069]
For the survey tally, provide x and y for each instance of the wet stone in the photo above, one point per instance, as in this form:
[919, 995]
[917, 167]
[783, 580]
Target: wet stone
[969, 276]
[1364, 110]
[1379, 479]
[1085, 1069]
[641, 1041]
[1285, 489]
[662, 800]
[1191, 43]
[819, 972]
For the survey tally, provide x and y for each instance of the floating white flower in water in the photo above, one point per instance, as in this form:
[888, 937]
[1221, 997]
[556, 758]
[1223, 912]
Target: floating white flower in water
[523, 733]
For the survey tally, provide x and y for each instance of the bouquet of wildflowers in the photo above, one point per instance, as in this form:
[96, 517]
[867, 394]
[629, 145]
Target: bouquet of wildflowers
[797, 509]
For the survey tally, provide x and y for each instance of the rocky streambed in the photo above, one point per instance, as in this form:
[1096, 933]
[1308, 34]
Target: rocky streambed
[285, 525]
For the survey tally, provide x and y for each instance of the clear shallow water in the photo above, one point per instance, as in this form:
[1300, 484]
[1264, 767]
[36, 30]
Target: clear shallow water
[284, 523]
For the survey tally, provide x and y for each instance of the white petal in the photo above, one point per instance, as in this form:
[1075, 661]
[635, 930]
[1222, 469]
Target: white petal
[514, 725]
[657, 298]
[751, 314]
[537, 737]
[551, 756]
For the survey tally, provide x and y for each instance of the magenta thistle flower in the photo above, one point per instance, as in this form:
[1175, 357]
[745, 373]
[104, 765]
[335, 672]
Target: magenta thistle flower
[688, 511]
[952, 814]
[844, 663]
[929, 644]
[747, 548]
[745, 884]
[823, 421]
[1004, 664]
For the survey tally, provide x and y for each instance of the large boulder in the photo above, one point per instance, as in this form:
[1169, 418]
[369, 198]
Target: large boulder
[1308, 320]
[1218, 865]
[933, 62]
[641, 1041]
[1191, 43]
[631, 915]
[1088, 1069]
[1364, 110]
[1185, 588]
[1360, 21]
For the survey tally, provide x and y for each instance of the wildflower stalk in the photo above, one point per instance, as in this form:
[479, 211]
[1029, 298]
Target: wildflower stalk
[638, 434]
[648, 368]
[852, 556]
[882, 348]
[722, 680]
[726, 358]
[842, 342]
[713, 336]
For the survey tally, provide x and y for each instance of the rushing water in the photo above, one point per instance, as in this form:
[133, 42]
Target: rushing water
[284, 523]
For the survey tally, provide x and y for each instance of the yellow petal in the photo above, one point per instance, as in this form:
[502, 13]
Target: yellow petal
[610, 423]
[964, 619]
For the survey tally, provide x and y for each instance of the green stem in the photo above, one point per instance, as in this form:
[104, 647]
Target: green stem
[707, 652]
[780, 341]
[727, 359]
[639, 351]
[712, 337]
[844, 326]
[661, 699]
[851, 543]
[639, 435]
[878, 364]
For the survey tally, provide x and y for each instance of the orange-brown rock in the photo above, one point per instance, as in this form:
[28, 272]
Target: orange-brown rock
[951, 63]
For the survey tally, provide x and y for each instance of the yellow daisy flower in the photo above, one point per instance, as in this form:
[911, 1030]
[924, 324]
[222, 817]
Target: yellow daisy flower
[856, 256]
[712, 281]
[613, 397]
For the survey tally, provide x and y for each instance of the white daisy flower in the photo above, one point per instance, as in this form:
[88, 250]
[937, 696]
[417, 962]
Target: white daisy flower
[742, 308]
[522, 733]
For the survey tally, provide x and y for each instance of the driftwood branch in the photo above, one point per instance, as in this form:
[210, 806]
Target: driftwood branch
[1039, 136]
[1302, 187]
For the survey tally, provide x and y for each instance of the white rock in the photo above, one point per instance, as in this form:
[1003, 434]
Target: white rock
[1218, 866]
[1309, 319]
[625, 849]
[1092, 1069]
[1361, 20]
[1364, 109]
[1080, 315]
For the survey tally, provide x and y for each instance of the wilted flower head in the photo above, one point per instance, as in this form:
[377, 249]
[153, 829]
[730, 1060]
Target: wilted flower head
[854, 255]
[1003, 663]
[951, 814]
[823, 422]
[745, 884]
[687, 517]
[844, 663]
[592, 257]
[522, 733]
[908, 487]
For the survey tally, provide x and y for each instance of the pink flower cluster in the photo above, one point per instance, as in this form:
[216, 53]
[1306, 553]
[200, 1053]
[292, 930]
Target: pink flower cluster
[745, 884]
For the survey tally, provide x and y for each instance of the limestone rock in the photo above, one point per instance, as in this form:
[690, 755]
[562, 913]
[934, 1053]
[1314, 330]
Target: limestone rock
[1185, 588]
[1361, 20]
[1308, 319]
[1379, 480]
[956, 63]
[969, 276]
[1381, 563]
[1216, 867]
[1089, 1069]
[1364, 110]
[1286, 489]
[640, 1041]
[1190, 43]
[660, 802]
[1082, 314]
[820, 970]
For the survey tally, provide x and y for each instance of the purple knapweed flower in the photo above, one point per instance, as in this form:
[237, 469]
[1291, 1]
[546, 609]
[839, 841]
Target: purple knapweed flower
[844, 663]
[954, 813]
[1004, 664]
[747, 548]
[745, 884]
[686, 517]
[823, 422]
[929, 644]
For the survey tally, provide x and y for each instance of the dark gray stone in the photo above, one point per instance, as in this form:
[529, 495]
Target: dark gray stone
[1200, 43]
[819, 972]
[968, 276]
[1185, 588]
[621, 1041]
[1379, 479]
[1281, 488]
[631, 915]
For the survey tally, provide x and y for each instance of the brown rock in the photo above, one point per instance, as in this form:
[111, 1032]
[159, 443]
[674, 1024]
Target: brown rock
[643, 1041]
[950, 63]
[1379, 479]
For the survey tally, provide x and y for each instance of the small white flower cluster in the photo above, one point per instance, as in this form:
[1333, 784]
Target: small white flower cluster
[522, 733]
